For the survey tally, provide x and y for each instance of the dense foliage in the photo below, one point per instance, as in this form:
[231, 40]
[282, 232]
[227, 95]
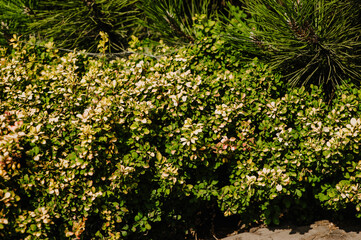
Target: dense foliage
[178, 131]
[140, 146]
[77, 24]
[311, 42]
[174, 20]
[14, 18]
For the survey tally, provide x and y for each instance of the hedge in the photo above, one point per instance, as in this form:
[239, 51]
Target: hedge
[137, 147]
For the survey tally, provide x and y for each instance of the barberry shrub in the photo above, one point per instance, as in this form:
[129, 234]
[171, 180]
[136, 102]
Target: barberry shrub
[139, 147]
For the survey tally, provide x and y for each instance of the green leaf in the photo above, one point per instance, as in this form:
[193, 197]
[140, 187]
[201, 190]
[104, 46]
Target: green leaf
[326, 153]
[33, 227]
[36, 150]
[211, 23]
[134, 126]
[159, 156]
[134, 155]
[72, 156]
[322, 197]
[147, 226]
[103, 139]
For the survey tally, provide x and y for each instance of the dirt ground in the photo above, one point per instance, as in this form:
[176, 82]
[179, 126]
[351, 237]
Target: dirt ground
[319, 230]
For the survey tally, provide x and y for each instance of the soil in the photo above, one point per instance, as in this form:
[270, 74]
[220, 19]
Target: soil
[326, 229]
[319, 230]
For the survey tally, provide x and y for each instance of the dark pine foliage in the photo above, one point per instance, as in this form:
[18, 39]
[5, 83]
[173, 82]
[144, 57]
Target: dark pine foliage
[310, 42]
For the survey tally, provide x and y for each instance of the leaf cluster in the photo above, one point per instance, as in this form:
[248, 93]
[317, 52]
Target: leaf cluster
[138, 147]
